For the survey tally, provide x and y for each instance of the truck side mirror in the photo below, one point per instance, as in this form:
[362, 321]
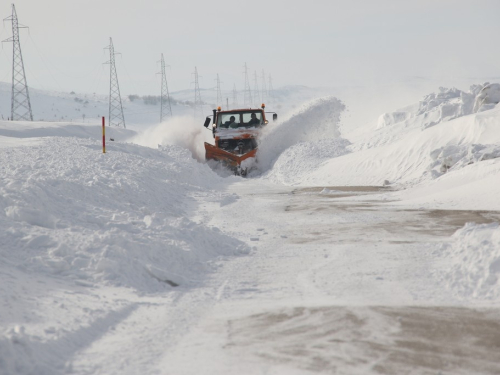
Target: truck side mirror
[275, 116]
[207, 122]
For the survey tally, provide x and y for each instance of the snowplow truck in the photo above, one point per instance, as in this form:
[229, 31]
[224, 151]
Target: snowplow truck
[235, 133]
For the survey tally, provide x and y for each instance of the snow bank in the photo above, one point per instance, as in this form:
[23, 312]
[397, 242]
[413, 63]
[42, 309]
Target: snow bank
[315, 121]
[445, 105]
[454, 157]
[406, 155]
[83, 233]
[488, 97]
[121, 218]
[474, 260]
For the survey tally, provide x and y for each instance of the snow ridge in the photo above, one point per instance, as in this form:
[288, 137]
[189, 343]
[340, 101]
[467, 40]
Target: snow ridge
[445, 105]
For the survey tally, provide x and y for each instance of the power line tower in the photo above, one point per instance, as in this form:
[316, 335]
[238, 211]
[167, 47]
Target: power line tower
[263, 88]
[198, 106]
[235, 97]
[20, 109]
[115, 101]
[219, 93]
[247, 92]
[270, 90]
[256, 92]
[165, 107]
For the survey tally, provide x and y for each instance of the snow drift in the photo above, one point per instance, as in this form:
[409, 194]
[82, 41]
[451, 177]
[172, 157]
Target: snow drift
[445, 105]
[474, 262]
[121, 218]
[452, 157]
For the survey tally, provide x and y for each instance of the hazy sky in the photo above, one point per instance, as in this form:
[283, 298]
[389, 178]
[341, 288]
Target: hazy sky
[313, 43]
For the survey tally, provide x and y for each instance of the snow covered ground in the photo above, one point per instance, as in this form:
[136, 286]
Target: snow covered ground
[350, 250]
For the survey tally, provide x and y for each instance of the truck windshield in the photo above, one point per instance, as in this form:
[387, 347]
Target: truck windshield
[239, 119]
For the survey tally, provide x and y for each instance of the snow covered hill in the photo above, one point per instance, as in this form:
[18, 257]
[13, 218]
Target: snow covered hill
[141, 111]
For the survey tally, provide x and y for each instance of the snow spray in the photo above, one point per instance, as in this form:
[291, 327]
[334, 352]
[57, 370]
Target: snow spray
[314, 121]
[184, 131]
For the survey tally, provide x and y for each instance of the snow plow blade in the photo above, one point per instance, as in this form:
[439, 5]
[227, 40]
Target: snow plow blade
[230, 159]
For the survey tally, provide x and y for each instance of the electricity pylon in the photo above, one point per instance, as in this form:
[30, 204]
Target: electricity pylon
[20, 108]
[165, 97]
[198, 107]
[256, 92]
[115, 101]
[235, 97]
[247, 92]
[263, 88]
[219, 94]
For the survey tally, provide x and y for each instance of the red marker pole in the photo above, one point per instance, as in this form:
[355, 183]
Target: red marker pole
[103, 136]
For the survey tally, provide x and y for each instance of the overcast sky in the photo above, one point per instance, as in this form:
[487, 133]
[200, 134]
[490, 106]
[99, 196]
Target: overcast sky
[313, 43]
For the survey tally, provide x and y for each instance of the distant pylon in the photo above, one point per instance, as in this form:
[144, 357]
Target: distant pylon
[165, 107]
[270, 90]
[115, 101]
[256, 92]
[235, 97]
[219, 94]
[20, 108]
[198, 107]
[263, 88]
[247, 92]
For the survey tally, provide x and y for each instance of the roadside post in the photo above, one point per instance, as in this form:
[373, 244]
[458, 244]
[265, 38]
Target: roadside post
[103, 136]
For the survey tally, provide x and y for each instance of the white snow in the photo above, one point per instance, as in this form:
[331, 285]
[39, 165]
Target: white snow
[487, 98]
[473, 260]
[183, 131]
[314, 121]
[70, 210]
[445, 105]
[143, 260]
[86, 218]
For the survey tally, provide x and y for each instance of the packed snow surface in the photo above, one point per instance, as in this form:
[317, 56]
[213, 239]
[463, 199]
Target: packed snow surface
[141, 259]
